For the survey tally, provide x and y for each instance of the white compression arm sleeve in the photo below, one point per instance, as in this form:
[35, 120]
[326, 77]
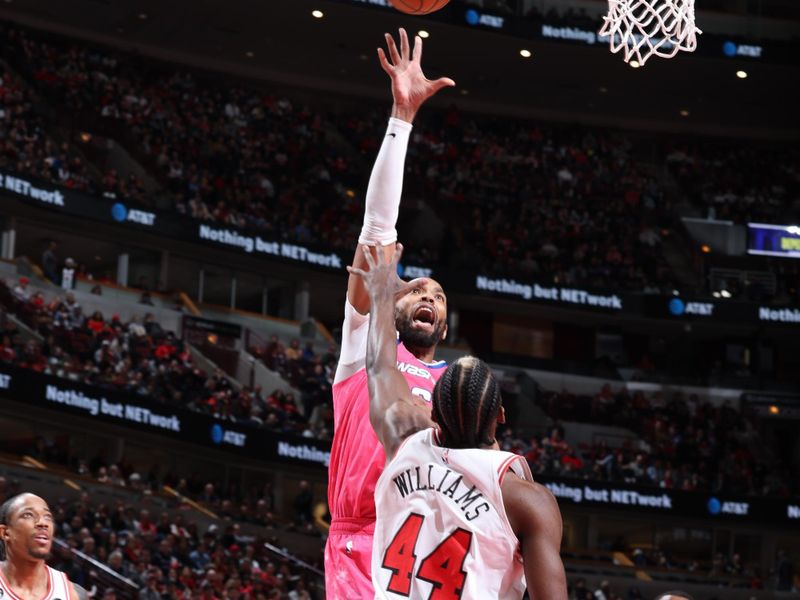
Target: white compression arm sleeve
[386, 186]
[353, 354]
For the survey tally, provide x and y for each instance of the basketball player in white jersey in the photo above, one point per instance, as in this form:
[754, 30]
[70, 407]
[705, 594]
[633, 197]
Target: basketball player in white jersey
[26, 538]
[456, 517]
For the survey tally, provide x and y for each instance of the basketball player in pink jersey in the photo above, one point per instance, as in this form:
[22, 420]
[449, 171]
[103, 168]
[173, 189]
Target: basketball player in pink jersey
[456, 517]
[421, 316]
[26, 538]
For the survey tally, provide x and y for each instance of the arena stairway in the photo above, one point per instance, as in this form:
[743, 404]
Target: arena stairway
[677, 246]
[170, 310]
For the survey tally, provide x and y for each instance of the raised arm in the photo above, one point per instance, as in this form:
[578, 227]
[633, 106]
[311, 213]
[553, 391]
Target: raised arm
[393, 411]
[534, 516]
[410, 89]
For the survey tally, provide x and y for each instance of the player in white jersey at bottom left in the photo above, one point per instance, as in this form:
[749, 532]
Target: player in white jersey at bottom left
[456, 517]
[26, 539]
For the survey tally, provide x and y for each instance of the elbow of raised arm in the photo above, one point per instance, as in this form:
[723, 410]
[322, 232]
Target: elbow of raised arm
[376, 420]
[378, 362]
[372, 364]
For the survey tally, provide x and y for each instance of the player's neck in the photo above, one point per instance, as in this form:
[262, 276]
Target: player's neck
[424, 354]
[22, 574]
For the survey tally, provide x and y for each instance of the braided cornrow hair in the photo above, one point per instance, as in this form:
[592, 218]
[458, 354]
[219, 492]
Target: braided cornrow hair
[466, 402]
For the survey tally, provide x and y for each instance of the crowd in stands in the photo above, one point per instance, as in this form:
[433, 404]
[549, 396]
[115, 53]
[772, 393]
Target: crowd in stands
[26, 146]
[140, 357]
[255, 504]
[739, 183]
[720, 571]
[563, 205]
[571, 16]
[579, 590]
[303, 368]
[169, 554]
[744, 184]
[240, 511]
[679, 443]
[226, 153]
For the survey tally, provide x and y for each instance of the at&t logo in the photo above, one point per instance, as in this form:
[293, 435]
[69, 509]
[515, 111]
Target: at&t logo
[732, 49]
[715, 507]
[120, 213]
[226, 436]
[678, 307]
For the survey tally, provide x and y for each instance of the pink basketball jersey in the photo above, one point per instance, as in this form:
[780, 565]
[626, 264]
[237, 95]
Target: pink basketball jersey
[357, 457]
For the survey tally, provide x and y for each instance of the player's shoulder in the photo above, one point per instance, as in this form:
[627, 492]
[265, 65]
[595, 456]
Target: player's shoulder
[75, 591]
[527, 499]
[80, 592]
[353, 378]
[533, 490]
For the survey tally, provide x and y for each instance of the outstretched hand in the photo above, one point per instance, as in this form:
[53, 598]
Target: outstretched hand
[410, 87]
[381, 280]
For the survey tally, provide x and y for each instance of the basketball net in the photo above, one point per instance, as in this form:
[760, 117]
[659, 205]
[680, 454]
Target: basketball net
[643, 28]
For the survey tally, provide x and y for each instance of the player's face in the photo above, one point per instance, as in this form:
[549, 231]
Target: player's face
[421, 315]
[30, 528]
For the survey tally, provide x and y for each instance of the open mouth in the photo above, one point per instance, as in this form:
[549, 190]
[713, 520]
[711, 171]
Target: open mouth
[42, 538]
[424, 316]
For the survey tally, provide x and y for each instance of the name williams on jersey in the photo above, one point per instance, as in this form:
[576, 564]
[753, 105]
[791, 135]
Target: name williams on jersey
[441, 480]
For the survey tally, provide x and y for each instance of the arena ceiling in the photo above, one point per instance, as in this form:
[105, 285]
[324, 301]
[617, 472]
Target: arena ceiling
[278, 40]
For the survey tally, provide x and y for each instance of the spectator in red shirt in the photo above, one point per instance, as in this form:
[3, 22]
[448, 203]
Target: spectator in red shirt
[7, 352]
[96, 322]
[144, 525]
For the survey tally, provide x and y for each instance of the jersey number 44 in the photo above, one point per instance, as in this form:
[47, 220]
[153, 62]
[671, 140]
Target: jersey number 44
[443, 568]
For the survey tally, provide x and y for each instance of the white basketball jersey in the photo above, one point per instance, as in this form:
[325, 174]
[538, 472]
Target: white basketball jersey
[442, 531]
[57, 587]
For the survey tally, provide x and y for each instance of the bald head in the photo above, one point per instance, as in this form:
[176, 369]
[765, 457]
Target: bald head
[9, 506]
[26, 528]
[676, 595]
[426, 281]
